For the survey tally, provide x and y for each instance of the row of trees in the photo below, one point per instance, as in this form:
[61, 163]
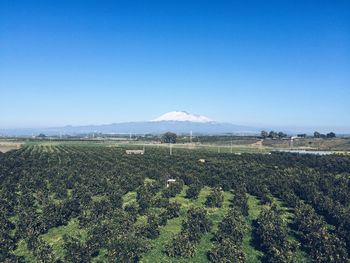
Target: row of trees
[280, 135]
[322, 245]
[228, 239]
[328, 135]
[41, 190]
[184, 244]
[272, 235]
[215, 198]
[272, 135]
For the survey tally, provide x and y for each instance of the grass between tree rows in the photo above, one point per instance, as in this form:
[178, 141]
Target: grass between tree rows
[156, 254]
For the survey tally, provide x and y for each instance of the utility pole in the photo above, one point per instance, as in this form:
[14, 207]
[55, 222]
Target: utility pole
[231, 145]
[171, 149]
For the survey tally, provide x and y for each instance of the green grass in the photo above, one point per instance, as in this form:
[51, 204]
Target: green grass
[53, 237]
[288, 217]
[22, 250]
[252, 254]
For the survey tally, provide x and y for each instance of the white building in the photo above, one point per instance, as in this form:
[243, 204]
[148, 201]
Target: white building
[135, 152]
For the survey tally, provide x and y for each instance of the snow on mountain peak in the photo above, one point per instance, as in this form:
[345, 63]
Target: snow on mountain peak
[182, 116]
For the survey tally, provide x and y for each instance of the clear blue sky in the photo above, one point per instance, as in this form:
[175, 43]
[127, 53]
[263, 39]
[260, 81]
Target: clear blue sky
[246, 62]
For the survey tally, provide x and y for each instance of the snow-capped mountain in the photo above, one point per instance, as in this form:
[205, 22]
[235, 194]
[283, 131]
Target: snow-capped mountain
[182, 116]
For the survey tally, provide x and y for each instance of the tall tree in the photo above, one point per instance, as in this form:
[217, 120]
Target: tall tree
[264, 134]
[169, 137]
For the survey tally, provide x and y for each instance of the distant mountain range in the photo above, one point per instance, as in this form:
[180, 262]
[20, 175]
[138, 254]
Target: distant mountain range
[180, 122]
[176, 121]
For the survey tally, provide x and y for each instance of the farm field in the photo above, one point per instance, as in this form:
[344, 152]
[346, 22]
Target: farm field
[204, 144]
[6, 146]
[91, 202]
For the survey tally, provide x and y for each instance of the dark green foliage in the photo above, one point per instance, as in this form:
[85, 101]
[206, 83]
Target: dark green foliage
[272, 236]
[169, 137]
[115, 199]
[161, 202]
[173, 210]
[181, 245]
[163, 218]
[120, 222]
[151, 230]
[240, 202]
[322, 245]
[184, 244]
[226, 252]
[173, 189]
[101, 208]
[40, 249]
[43, 191]
[145, 195]
[232, 227]
[132, 209]
[193, 191]
[197, 223]
[272, 135]
[7, 243]
[215, 198]
[75, 251]
[98, 237]
[331, 135]
[228, 239]
[126, 248]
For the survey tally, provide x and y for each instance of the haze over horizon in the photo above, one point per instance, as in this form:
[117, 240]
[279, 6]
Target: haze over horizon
[255, 63]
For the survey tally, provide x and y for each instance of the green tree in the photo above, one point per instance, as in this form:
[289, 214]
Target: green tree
[173, 210]
[173, 189]
[193, 191]
[317, 134]
[169, 137]
[197, 223]
[215, 198]
[151, 230]
[232, 227]
[273, 134]
[264, 134]
[75, 251]
[240, 202]
[282, 135]
[181, 246]
[144, 196]
[272, 234]
[330, 135]
[226, 252]
[126, 248]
